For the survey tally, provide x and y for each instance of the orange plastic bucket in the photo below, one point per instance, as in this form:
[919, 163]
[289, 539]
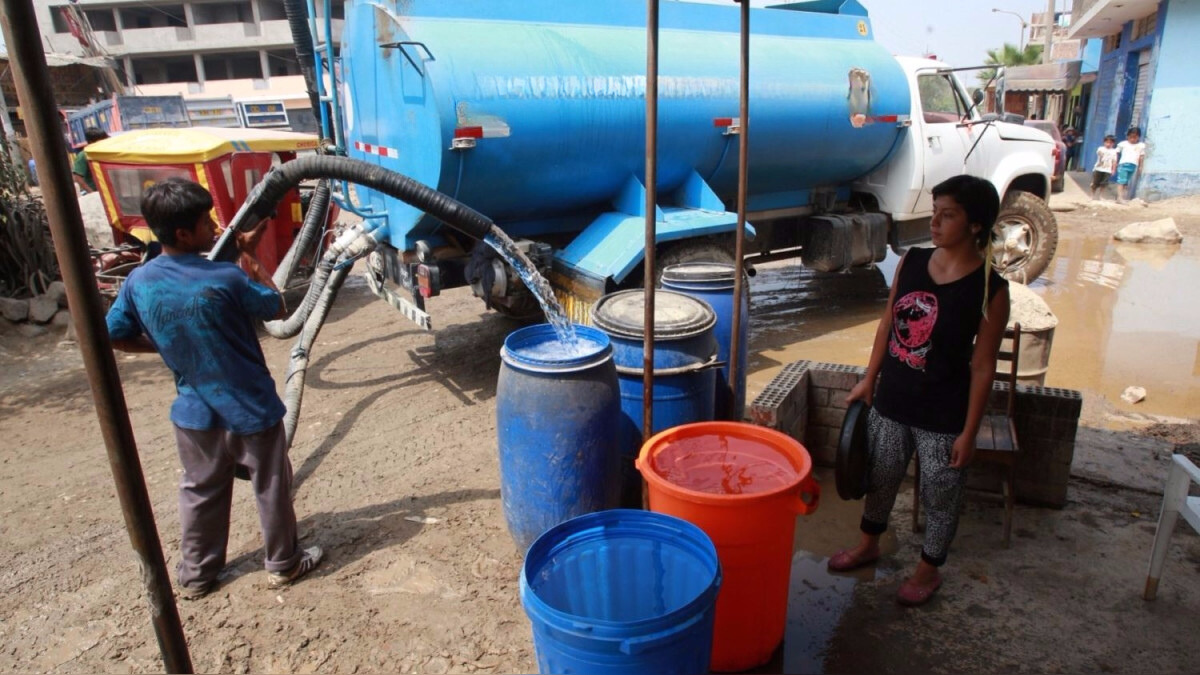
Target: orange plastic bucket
[743, 485]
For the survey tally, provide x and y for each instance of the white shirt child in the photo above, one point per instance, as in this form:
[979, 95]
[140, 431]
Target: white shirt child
[1131, 153]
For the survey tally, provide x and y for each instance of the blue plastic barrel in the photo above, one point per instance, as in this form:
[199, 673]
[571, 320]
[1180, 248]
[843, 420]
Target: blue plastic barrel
[555, 415]
[713, 283]
[685, 376]
[622, 591]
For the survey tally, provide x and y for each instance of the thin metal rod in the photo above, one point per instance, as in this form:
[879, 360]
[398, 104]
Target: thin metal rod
[651, 217]
[739, 278]
[32, 79]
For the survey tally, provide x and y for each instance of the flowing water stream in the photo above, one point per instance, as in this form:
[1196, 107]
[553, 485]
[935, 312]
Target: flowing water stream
[536, 283]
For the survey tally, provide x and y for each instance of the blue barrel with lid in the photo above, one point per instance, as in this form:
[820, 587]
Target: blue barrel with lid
[713, 283]
[556, 408]
[685, 362]
[622, 591]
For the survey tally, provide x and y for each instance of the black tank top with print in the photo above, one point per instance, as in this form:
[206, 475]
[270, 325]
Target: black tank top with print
[925, 380]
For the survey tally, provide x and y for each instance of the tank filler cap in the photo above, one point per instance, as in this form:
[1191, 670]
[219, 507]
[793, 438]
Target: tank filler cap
[676, 316]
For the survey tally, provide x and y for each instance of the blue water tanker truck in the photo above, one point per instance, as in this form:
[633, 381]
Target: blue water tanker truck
[533, 114]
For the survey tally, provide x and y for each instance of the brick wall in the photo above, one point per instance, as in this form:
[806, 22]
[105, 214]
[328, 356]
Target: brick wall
[806, 400]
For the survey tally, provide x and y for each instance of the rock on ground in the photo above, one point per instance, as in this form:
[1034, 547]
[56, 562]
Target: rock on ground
[1029, 308]
[58, 291]
[1163, 231]
[14, 310]
[42, 309]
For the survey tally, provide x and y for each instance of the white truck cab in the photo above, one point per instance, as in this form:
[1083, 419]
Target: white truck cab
[949, 136]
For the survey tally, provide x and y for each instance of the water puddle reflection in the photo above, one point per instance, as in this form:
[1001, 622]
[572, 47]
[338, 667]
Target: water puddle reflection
[1126, 313]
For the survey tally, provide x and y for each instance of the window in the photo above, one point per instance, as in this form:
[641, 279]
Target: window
[162, 69]
[101, 19]
[282, 62]
[222, 12]
[130, 184]
[940, 101]
[1144, 27]
[159, 16]
[234, 66]
[1112, 43]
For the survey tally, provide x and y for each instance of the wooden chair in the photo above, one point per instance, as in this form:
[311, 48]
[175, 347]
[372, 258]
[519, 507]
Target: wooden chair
[997, 439]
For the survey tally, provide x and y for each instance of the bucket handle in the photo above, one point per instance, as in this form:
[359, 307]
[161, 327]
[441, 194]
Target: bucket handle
[711, 363]
[808, 496]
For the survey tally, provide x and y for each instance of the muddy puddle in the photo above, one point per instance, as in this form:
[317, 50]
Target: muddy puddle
[1127, 316]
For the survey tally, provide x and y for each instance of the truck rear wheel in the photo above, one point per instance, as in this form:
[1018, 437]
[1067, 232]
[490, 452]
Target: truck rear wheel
[1024, 238]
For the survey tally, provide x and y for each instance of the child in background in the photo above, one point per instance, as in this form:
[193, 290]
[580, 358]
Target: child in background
[1106, 164]
[1132, 150]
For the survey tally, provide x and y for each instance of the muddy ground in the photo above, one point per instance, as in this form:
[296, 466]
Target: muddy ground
[396, 476]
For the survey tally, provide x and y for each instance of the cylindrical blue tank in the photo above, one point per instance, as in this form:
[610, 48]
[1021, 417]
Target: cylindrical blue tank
[555, 416]
[557, 92]
[622, 592]
[685, 379]
[713, 283]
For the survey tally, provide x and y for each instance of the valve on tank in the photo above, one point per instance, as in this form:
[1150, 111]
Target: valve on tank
[498, 284]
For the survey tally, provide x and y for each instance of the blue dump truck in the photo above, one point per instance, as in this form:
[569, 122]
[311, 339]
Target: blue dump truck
[533, 114]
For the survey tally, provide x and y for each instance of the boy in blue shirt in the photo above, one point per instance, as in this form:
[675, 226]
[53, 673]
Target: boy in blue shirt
[200, 317]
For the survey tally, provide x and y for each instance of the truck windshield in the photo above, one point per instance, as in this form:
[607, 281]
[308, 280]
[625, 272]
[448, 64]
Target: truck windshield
[940, 101]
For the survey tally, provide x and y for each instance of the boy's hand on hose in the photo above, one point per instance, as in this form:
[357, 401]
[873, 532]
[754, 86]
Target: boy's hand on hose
[962, 452]
[247, 240]
[863, 391]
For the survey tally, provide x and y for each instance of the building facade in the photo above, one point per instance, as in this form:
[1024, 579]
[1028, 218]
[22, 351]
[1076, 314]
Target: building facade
[199, 49]
[1145, 80]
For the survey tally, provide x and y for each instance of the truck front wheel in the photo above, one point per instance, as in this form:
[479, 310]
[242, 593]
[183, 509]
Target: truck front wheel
[1024, 238]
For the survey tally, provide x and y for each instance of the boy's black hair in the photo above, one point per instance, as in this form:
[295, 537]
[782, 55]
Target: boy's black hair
[1110, 137]
[978, 198]
[1134, 130]
[174, 204]
[93, 134]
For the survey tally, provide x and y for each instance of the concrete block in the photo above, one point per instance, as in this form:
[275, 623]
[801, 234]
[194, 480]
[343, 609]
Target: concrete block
[836, 376]
[776, 406]
[818, 397]
[827, 417]
[837, 399]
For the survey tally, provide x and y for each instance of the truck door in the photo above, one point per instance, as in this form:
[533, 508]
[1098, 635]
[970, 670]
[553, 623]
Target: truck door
[945, 141]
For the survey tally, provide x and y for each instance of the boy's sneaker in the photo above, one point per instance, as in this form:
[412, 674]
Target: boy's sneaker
[308, 562]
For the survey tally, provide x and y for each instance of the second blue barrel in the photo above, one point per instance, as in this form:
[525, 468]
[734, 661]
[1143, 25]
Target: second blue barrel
[713, 283]
[556, 409]
[685, 361]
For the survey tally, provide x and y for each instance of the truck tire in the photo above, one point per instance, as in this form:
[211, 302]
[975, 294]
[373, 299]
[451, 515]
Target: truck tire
[1024, 238]
[708, 249]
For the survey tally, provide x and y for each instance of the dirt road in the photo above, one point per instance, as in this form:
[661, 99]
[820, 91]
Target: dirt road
[397, 478]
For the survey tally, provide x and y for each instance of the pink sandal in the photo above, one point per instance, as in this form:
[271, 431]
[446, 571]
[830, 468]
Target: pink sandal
[912, 595]
[845, 561]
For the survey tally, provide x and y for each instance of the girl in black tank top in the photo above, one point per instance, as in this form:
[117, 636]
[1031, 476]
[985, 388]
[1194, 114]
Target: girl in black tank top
[930, 375]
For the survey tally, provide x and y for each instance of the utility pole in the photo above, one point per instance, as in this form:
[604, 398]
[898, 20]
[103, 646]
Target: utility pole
[1049, 36]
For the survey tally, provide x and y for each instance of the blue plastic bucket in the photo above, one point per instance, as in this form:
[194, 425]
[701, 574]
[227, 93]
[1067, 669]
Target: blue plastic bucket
[713, 283]
[622, 591]
[685, 362]
[555, 415]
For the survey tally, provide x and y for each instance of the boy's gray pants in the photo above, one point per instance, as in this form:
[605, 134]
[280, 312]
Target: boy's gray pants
[206, 495]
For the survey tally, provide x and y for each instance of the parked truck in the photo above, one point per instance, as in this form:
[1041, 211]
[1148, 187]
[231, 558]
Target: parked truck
[533, 114]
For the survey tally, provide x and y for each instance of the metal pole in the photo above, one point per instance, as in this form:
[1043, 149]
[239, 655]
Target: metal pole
[651, 218]
[743, 189]
[32, 79]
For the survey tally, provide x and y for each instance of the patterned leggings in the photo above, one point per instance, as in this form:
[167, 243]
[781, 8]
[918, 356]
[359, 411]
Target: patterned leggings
[891, 446]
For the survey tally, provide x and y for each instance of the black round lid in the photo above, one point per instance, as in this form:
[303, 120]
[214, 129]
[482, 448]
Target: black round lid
[676, 315]
[853, 469]
[699, 271]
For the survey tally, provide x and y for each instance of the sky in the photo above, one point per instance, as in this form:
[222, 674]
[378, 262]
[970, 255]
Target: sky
[959, 32]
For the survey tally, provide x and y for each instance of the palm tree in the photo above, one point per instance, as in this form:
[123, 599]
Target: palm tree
[1010, 55]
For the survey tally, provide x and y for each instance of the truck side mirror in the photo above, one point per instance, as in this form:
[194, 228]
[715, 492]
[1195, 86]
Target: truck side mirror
[977, 96]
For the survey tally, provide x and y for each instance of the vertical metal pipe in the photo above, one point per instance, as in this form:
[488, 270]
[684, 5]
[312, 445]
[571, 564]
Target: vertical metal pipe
[651, 218]
[32, 79]
[739, 278]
